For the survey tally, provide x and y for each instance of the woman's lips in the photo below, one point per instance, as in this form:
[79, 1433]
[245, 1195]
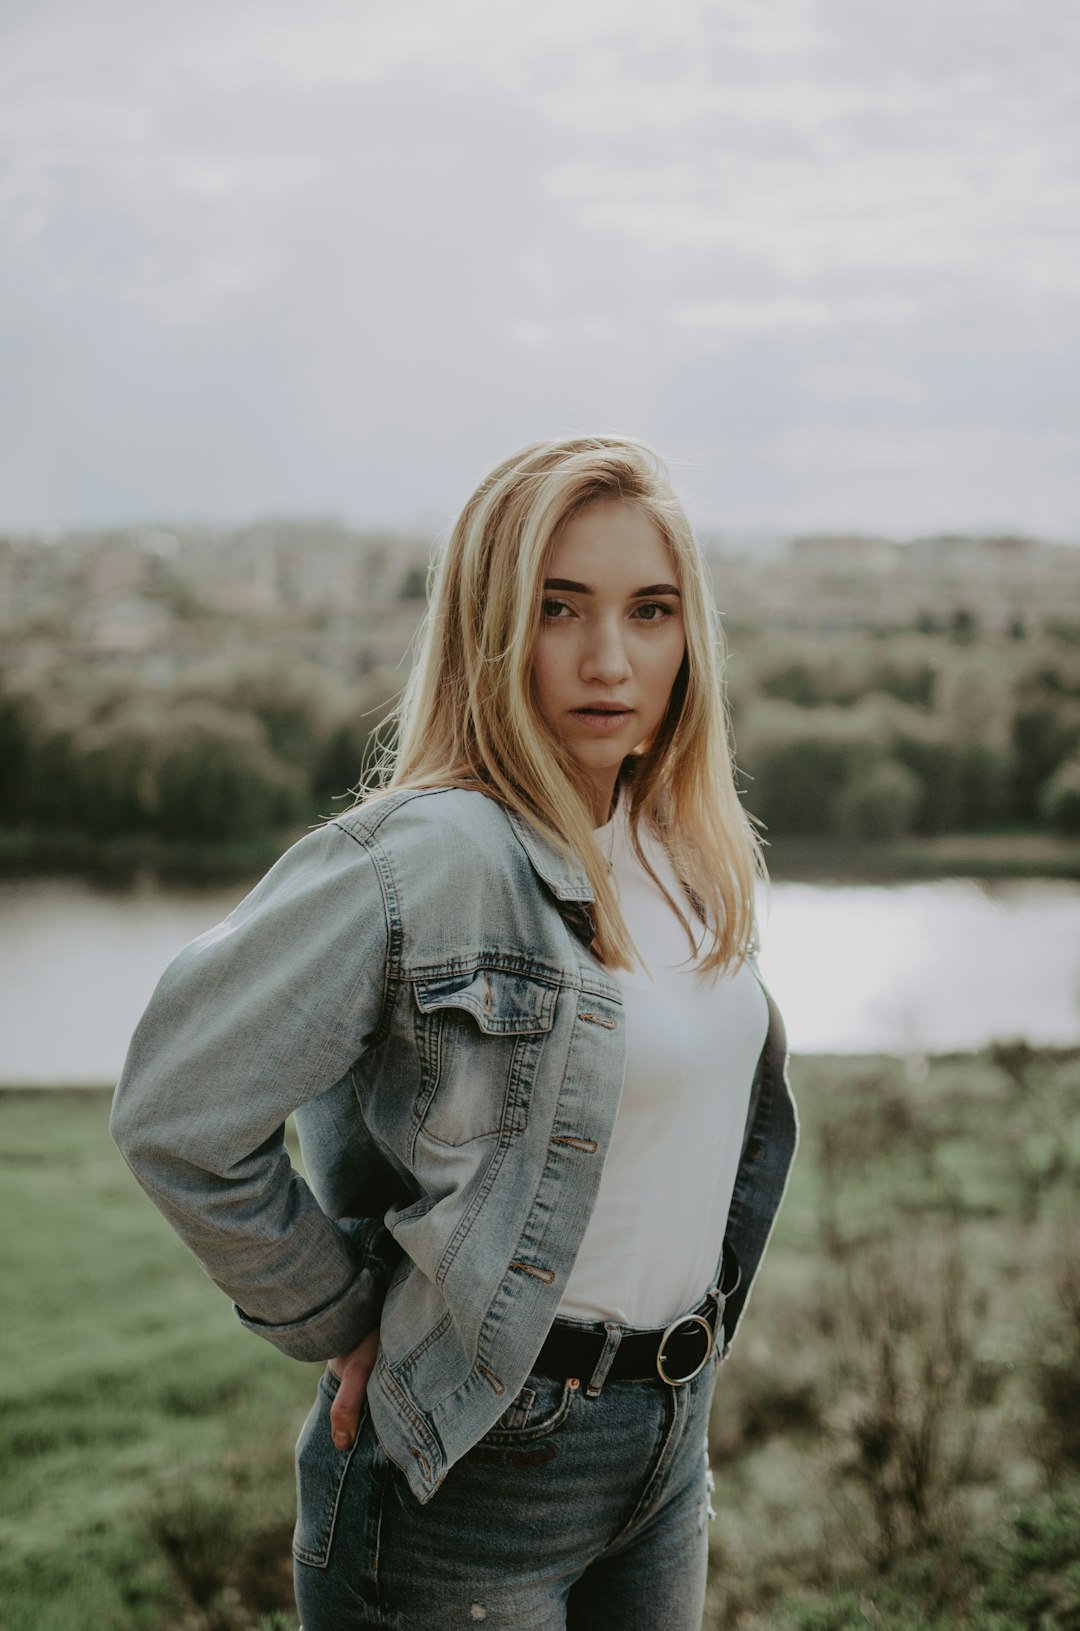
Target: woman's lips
[601, 719]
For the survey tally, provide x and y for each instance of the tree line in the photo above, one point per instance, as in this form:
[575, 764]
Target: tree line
[862, 737]
[216, 757]
[880, 737]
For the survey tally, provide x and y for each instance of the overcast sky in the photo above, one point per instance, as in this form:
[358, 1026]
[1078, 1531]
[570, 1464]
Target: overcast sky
[338, 259]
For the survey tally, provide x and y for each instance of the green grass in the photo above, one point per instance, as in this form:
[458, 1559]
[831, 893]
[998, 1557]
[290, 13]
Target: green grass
[146, 1438]
[895, 1439]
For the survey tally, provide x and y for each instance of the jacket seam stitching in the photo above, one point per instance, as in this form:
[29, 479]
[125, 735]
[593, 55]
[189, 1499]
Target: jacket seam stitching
[394, 934]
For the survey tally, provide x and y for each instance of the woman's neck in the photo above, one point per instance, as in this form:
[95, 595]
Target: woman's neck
[603, 813]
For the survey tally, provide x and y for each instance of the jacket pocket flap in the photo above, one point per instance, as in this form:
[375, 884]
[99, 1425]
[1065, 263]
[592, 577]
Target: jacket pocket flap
[501, 1003]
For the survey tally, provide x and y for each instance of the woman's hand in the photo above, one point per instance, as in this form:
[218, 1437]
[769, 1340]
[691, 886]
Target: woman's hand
[353, 1368]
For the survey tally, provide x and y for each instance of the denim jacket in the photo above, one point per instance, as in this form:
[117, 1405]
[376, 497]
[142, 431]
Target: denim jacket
[414, 980]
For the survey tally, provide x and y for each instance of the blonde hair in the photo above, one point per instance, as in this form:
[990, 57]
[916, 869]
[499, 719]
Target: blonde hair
[468, 718]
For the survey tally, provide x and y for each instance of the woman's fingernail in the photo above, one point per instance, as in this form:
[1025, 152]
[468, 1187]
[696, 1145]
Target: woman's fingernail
[341, 1440]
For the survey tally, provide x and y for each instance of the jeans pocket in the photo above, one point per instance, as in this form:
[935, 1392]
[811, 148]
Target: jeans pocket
[541, 1406]
[320, 1477]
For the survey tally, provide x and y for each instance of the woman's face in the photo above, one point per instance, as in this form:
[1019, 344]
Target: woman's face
[611, 638]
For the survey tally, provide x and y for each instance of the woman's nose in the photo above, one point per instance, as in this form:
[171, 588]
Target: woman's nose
[605, 658]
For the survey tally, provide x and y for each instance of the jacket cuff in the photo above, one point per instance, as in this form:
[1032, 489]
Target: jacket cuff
[371, 1244]
[339, 1325]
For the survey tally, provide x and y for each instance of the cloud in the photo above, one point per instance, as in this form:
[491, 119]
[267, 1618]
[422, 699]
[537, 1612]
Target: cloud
[348, 250]
[841, 382]
[735, 318]
[925, 479]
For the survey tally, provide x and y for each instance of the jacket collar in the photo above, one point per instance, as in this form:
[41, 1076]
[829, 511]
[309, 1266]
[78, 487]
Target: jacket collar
[564, 876]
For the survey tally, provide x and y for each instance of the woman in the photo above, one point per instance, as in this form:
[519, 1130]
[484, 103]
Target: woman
[540, 1088]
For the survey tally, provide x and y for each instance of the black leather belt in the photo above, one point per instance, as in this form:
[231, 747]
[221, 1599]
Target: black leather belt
[673, 1355]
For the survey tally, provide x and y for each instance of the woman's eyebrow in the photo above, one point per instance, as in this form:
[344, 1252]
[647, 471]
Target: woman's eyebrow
[570, 587]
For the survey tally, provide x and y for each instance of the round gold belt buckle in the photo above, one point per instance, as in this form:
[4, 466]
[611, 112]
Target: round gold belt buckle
[710, 1342]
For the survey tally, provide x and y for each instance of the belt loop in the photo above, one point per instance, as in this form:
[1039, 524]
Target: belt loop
[719, 1297]
[603, 1364]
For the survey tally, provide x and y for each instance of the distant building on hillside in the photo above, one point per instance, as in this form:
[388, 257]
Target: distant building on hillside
[822, 552]
[160, 601]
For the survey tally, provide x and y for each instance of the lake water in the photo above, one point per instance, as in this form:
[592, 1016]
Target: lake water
[928, 967]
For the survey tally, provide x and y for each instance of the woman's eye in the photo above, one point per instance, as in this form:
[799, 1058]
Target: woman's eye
[553, 608]
[653, 611]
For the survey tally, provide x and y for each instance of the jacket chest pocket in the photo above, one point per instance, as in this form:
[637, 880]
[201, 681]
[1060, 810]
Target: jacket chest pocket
[479, 1038]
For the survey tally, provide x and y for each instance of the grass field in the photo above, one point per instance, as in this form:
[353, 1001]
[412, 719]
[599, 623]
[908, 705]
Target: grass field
[896, 1439]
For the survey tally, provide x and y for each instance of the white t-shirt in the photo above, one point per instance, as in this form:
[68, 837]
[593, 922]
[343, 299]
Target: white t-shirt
[692, 1045]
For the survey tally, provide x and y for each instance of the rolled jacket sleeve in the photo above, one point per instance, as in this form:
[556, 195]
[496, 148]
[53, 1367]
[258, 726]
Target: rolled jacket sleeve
[254, 1019]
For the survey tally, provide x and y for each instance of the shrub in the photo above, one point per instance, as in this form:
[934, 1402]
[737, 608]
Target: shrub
[984, 780]
[339, 766]
[1057, 1363]
[345, 757]
[913, 683]
[1034, 1578]
[192, 773]
[17, 731]
[413, 583]
[924, 749]
[802, 759]
[1059, 800]
[293, 703]
[881, 803]
[1045, 735]
[112, 787]
[903, 1360]
[218, 779]
[796, 682]
[226, 1569]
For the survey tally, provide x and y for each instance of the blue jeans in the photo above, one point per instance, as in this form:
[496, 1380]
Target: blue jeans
[572, 1512]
